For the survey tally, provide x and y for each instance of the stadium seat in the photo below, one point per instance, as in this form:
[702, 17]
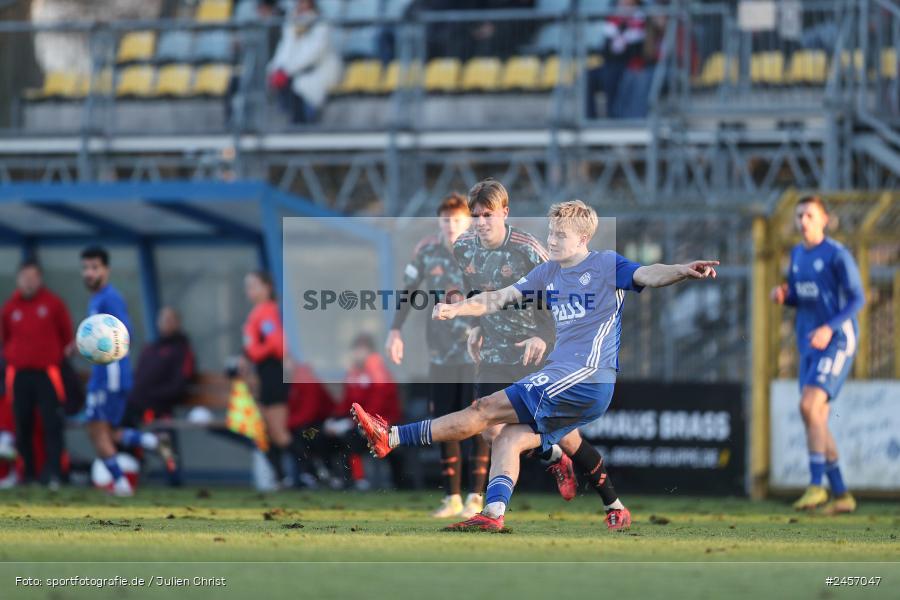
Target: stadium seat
[212, 80]
[174, 46]
[767, 68]
[553, 6]
[361, 77]
[808, 67]
[330, 9]
[213, 46]
[442, 75]
[395, 9]
[714, 70]
[57, 84]
[101, 83]
[592, 34]
[213, 11]
[173, 80]
[360, 42]
[363, 10]
[548, 40]
[136, 46]
[136, 81]
[592, 8]
[857, 59]
[245, 11]
[554, 75]
[395, 76]
[481, 75]
[889, 63]
[521, 73]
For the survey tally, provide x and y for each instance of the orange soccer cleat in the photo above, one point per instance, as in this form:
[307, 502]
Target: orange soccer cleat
[618, 519]
[480, 522]
[564, 473]
[376, 430]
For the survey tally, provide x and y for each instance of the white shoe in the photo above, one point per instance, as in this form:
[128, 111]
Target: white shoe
[474, 505]
[122, 488]
[10, 481]
[451, 506]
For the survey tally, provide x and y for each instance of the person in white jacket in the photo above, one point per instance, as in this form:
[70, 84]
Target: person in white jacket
[306, 64]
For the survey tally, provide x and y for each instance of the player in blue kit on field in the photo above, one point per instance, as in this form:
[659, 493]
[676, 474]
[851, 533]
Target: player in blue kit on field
[824, 286]
[109, 384]
[586, 291]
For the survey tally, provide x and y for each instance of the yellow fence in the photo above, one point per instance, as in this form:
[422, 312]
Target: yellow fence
[868, 223]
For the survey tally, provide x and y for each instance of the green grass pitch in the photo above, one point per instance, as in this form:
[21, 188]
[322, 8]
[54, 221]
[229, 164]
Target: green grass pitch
[339, 545]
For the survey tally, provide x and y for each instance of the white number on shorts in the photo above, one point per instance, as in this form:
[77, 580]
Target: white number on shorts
[539, 379]
[825, 364]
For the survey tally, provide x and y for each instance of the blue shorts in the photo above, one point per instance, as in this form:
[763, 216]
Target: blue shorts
[826, 369]
[561, 397]
[106, 406]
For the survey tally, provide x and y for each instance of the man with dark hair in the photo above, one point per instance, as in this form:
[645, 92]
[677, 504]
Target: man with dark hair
[450, 369]
[37, 333]
[109, 384]
[824, 284]
[164, 370]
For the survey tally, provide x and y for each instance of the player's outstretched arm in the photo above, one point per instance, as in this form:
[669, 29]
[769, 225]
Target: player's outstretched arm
[484, 303]
[659, 275]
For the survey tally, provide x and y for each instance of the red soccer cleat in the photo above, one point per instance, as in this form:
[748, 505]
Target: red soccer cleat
[480, 522]
[564, 473]
[618, 519]
[376, 430]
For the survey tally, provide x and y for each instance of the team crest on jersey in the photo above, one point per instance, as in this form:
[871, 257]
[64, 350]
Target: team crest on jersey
[506, 270]
[437, 271]
[795, 268]
[16, 315]
[42, 311]
[585, 279]
[818, 264]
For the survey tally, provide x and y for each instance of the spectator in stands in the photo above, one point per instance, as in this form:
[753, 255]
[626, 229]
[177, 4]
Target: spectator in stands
[164, 370]
[306, 64]
[623, 75]
[465, 39]
[266, 10]
[37, 334]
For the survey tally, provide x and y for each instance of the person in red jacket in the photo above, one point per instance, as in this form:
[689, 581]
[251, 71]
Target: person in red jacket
[37, 333]
[309, 405]
[369, 383]
[264, 347]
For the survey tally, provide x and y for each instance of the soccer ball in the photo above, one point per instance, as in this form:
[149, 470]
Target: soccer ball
[102, 339]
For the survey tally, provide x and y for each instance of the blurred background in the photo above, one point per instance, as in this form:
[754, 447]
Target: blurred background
[180, 132]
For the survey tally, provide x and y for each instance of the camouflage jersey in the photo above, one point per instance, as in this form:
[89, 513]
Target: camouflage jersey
[494, 269]
[433, 268]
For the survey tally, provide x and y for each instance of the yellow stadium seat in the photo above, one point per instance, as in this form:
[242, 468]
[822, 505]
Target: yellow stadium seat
[135, 81]
[554, 74]
[58, 84]
[521, 73]
[857, 59]
[481, 75]
[395, 76]
[212, 80]
[214, 10]
[715, 68]
[173, 80]
[767, 68]
[808, 66]
[889, 63]
[361, 77]
[594, 60]
[102, 82]
[136, 46]
[442, 75]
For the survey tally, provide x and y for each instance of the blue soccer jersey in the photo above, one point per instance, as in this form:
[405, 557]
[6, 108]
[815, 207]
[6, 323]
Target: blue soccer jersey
[116, 376]
[825, 287]
[586, 301]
